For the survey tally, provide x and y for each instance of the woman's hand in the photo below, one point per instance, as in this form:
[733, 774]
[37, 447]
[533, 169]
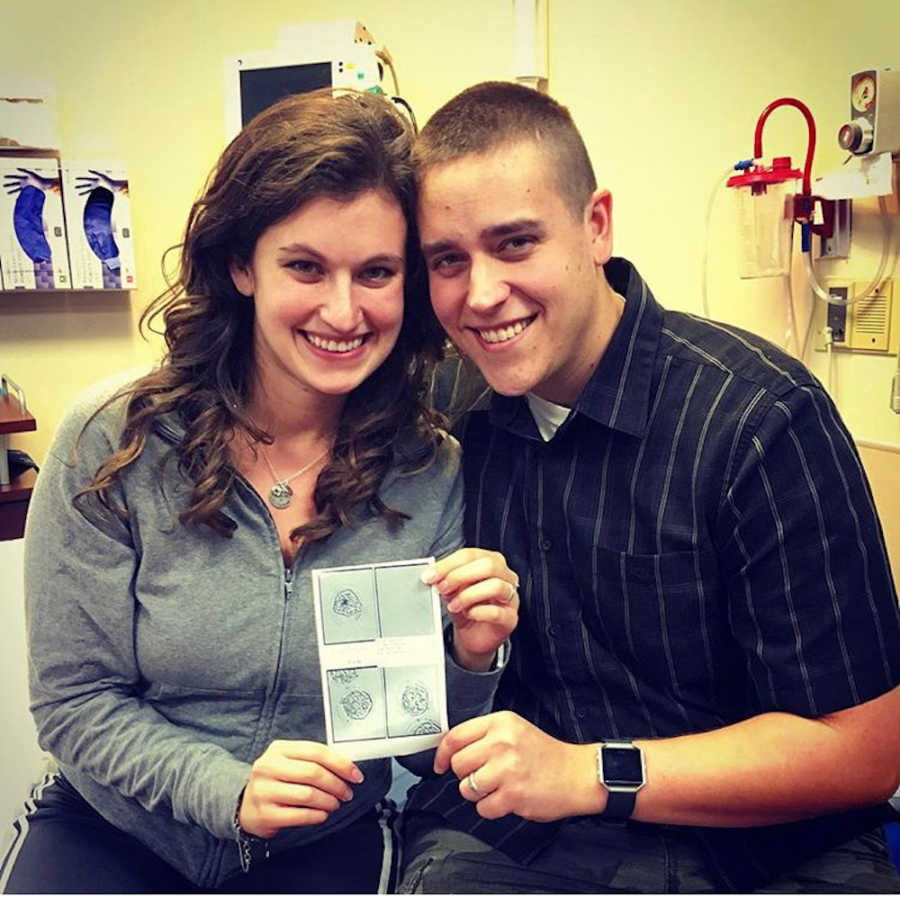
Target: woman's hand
[482, 598]
[295, 783]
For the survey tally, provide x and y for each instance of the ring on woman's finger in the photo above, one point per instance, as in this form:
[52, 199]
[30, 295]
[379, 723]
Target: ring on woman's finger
[473, 785]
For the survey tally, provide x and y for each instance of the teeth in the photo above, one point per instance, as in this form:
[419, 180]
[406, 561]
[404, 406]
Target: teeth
[330, 345]
[502, 334]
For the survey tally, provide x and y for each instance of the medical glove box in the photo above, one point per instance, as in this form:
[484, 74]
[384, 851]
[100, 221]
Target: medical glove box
[33, 253]
[98, 216]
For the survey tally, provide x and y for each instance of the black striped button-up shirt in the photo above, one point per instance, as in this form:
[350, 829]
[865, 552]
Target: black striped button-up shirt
[697, 544]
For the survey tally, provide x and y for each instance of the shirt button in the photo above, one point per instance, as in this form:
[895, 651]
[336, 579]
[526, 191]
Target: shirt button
[546, 544]
[554, 630]
[581, 713]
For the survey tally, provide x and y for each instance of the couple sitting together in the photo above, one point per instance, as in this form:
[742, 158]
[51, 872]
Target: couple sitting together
[672, 643]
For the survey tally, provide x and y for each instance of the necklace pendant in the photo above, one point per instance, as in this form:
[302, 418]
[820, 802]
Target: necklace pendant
[280, 495]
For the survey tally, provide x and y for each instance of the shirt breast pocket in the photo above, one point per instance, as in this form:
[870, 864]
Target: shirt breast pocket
[654, 611]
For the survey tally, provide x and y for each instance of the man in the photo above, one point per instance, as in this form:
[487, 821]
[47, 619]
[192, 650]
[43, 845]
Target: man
[703, 575]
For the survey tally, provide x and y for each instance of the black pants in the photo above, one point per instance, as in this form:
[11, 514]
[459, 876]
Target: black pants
[62, 845]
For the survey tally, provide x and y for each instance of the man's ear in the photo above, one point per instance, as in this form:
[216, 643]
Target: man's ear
[598, 214]
[241, 277]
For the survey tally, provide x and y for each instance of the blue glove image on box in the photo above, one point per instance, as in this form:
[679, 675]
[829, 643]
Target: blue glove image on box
[28, 223]
[101, 248]
[98, 226]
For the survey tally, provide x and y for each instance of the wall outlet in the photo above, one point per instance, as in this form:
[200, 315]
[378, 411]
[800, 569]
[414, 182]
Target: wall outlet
[836, 315]
[870, 325]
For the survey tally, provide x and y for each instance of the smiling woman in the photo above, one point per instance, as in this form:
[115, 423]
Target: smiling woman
[327, 283]
[174, 669]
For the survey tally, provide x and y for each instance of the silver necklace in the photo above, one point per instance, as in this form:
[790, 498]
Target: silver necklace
[280, 494]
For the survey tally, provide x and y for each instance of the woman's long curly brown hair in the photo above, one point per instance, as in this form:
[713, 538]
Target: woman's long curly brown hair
[303, 147]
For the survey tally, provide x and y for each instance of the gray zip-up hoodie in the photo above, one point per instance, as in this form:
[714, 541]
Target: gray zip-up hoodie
[164, 658]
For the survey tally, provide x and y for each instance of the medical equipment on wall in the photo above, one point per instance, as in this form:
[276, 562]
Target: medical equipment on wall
[530, 30]
[874, 125]
[307, 57]
[769, 203]
[771, 199]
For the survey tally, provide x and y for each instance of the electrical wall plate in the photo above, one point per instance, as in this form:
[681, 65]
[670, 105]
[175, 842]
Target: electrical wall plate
[871, 325]
[870, 319]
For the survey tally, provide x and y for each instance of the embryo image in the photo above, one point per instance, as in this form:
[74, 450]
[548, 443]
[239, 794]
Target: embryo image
[348, 608]
[356, 697]
[415, 699]
[347, 604]
[344, 677]
[411, 700]
[426, 727]
[357, 704]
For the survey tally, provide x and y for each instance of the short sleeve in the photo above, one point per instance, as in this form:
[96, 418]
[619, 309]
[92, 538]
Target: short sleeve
[810, 593]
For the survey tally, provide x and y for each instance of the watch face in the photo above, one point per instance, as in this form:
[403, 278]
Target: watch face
[622, 766]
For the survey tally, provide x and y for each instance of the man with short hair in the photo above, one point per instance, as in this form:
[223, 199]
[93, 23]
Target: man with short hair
[703, 691]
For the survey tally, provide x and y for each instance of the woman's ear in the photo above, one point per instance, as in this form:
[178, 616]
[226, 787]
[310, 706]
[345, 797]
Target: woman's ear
[599, 221]
[242, 278]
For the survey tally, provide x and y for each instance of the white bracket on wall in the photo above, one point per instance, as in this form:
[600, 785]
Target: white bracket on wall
[530, 59]
[837, 246]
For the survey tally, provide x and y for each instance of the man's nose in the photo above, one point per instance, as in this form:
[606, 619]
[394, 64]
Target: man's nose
[487, 288]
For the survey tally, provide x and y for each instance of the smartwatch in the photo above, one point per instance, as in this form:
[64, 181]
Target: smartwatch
[620, 769]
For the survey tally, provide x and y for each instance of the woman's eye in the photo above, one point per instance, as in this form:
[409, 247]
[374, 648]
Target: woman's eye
[378, 273]
[304, 266]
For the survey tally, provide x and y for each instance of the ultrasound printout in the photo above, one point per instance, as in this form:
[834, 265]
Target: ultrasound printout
[381, 653]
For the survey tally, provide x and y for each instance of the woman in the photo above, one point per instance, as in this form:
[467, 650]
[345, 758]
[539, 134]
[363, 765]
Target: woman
[174, 667]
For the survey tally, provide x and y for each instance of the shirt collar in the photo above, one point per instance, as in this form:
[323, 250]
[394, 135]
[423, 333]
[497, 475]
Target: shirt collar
[618, 392]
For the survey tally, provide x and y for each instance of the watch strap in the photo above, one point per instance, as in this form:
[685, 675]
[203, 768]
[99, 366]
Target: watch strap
[619, 804]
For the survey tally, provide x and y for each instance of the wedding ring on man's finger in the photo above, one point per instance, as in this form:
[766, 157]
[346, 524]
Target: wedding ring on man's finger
[473, 785]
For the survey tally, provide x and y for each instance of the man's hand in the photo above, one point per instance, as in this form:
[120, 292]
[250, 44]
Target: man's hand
[482, 598]
[295, 783]
[507, 765]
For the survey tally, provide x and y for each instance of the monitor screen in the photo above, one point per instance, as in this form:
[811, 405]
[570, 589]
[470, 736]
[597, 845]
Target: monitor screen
[262, 87]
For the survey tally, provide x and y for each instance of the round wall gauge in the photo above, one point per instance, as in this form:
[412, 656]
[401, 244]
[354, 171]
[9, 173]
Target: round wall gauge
[862, 93]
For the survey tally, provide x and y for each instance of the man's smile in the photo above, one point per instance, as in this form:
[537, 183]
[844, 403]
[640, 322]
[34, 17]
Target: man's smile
[505, 332]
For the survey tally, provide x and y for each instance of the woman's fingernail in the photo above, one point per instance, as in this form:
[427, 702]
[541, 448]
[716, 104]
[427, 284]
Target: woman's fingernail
[348, 796]
[429, 575]
[357, 775]
[453, 607]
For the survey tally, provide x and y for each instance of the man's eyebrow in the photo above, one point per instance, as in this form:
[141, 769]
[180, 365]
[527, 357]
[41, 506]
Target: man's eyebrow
[495, 230]
[438, 246]
[511, 227]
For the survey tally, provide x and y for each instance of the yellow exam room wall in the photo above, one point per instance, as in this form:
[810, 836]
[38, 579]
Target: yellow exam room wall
[666, 95]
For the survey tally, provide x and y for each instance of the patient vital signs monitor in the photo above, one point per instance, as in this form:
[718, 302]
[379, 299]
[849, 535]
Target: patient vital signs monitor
[254, 81]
